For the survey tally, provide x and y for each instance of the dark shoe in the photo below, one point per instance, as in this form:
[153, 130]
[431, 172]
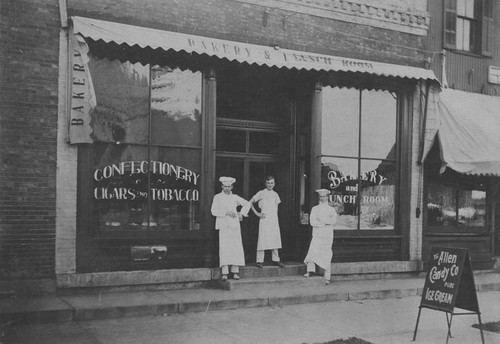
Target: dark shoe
[224, 278]
[327, 282]
[236, 276]
[280, 264]
[259, 265]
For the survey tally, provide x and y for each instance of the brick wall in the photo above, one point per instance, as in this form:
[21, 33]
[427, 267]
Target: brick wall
[66, 176]
[28, 125]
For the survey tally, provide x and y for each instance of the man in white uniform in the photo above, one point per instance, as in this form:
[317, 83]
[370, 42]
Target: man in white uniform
[224, 208]
[322, 219]
[269, 227]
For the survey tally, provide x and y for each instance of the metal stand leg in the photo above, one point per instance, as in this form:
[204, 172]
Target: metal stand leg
[416, 325]
[449, 320]
[480, 327]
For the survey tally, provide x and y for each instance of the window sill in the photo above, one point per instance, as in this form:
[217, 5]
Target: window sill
[468, 53]
[127, 235]
[455, 234]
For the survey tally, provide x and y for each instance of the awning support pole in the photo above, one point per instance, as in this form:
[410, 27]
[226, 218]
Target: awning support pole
[315, 167]
[424, 124]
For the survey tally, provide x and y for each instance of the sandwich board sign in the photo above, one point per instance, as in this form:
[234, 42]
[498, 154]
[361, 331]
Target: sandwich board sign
[449, 284]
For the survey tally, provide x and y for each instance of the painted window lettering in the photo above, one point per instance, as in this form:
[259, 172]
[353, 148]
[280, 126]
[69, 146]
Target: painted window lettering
[111, 175]
[337, 178]
[143, 167]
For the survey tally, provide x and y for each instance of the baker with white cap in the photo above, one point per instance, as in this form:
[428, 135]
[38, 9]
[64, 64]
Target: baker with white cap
[322, 218]
[227, 222]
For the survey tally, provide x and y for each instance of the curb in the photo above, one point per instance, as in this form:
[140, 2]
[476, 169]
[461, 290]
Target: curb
[203, 300]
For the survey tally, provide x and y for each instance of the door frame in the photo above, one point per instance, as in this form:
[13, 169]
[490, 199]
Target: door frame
[286, 180]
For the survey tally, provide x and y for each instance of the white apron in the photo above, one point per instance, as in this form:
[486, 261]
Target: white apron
[269, 227]
[230, 243]
[322, 218]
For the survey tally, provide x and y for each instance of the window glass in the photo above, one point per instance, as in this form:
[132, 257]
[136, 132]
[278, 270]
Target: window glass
[488, 8]
[252, 94]
[303, 195]
[378, 129]
[376, 196]
[340, 176]
[451, 4]
[441, 204]
[264, 143]
[175, 107]
[146, 155]
[132, 192]
[472, 208]
[231, 140]
[450, 28]
[175, 188]
[461, 7]
[454, 200]
[460, 34]
[467, 36]
[463, 27]
[362, 181]
[340, 121]
[451, 21]
[465, 8]
[120, 186]
[469, 8]
[122, 97]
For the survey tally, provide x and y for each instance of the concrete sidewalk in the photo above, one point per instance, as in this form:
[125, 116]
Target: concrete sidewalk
[379, 321]
[286, 290]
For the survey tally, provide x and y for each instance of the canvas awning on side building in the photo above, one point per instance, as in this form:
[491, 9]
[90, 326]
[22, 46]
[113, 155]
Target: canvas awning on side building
[468, 128]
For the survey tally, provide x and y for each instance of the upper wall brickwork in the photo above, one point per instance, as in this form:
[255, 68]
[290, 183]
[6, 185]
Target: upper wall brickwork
[265, 25]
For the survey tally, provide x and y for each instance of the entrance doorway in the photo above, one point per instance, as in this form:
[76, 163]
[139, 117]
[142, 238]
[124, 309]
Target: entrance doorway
[250, 151]
[255, 137]
[250, 174]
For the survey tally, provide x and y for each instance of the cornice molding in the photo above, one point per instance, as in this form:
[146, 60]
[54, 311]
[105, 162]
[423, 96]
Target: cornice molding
[365, 12]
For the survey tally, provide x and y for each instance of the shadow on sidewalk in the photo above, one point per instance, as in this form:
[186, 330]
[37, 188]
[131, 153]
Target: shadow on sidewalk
[350, 340]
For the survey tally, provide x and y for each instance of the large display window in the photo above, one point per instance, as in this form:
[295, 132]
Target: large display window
[358, 163]
[146, 154]
[453, 201]
[459, 210]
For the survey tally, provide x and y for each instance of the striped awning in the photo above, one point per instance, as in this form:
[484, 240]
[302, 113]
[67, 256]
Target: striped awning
[237, 51]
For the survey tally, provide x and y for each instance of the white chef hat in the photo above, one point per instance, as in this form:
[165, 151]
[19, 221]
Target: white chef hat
[227, 180]
[323, 192]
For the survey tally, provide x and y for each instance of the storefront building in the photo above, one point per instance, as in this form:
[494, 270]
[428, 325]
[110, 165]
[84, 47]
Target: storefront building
[157, 100]
[460, 148]
[157, 116]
